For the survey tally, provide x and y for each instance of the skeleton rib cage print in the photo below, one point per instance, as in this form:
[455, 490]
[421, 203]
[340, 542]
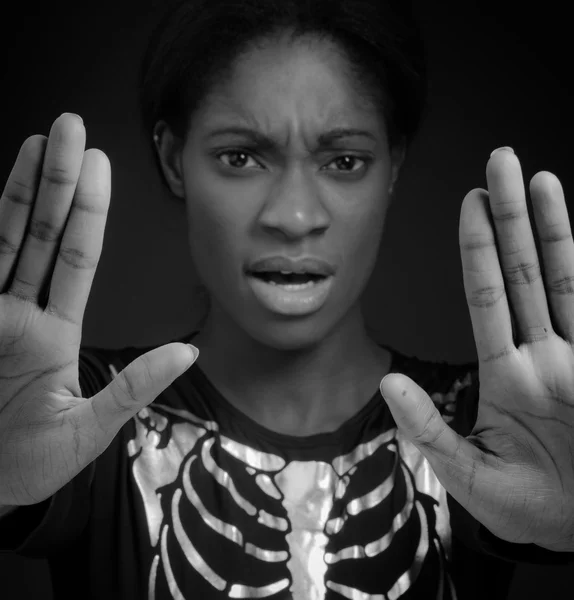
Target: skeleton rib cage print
[227, 518]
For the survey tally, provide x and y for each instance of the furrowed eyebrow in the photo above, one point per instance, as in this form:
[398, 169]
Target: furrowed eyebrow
[325, 140]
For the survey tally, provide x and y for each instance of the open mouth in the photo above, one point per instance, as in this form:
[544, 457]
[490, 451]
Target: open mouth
[290, 294]
[289, 280]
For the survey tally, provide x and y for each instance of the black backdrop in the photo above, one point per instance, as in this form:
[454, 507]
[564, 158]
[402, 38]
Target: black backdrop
[500, 75]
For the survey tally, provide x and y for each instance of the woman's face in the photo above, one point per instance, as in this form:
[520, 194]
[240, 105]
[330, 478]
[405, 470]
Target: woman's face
[284, 188]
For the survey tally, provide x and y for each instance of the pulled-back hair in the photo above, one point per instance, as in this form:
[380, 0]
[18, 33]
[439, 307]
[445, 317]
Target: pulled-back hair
[197, 42]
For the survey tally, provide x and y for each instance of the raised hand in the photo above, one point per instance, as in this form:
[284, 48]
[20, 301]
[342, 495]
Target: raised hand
[52, 218]
[515, 472]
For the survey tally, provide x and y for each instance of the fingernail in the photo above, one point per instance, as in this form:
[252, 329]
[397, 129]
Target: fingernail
[507, 148]
[195, 351]
[381, 385]
[75, 115]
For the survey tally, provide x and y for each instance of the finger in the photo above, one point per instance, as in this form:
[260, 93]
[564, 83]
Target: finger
[516, 248]
[452, 457]
[82, 241]
[483, 282]
[478, 478]
[136, 386]
[17, 201]
[419, 419]
[60, 171]
[555, 237]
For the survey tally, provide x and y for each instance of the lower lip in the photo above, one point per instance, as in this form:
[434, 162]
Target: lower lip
[282, 300]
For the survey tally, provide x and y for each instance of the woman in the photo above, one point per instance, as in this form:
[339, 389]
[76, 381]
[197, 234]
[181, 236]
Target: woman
[272, 467]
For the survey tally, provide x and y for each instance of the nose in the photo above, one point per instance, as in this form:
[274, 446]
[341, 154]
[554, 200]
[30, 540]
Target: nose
[294, 205]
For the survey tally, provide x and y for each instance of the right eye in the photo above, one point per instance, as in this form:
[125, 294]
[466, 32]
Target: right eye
[237, 156]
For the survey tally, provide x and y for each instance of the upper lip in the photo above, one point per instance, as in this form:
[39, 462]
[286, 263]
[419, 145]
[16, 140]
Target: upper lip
[315, 266]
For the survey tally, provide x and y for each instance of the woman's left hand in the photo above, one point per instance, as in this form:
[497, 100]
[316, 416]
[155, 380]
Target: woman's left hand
[515, 472]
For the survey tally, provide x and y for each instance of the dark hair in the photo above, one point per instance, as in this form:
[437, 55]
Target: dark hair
[197, 42]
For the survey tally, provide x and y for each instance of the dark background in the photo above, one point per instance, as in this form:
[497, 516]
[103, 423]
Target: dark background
[500, 75]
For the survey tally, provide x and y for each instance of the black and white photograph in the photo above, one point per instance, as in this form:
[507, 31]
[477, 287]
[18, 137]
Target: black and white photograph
[286, 300]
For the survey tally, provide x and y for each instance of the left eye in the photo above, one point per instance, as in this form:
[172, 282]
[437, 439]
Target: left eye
[345, 160]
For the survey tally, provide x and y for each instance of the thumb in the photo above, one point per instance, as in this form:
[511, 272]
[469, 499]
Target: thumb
[417, 417]
[139, 384]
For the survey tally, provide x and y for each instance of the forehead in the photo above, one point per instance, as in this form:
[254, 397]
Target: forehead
[305, 83]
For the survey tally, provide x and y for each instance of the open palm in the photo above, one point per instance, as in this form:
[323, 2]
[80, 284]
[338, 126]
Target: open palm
[52, 218]
[515, 471]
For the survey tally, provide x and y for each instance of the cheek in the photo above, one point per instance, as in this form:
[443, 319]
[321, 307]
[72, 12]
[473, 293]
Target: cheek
[215, 226]
[361, 225]
[360, 236]
[363, 245]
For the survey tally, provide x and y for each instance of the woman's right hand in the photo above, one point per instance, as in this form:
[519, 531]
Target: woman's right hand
[52, 219]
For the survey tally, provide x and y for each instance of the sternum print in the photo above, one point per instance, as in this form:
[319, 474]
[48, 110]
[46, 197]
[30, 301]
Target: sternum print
[308, 490]
[304, 494]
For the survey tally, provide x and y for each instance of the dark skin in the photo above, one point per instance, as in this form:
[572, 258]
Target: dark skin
[312, 373]
[515, 471]
[301, 375]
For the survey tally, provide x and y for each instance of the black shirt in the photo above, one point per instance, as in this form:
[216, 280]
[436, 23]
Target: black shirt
[193, 499]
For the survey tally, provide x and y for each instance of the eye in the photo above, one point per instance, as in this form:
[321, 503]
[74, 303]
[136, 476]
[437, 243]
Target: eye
[237, 158]
[346, 161]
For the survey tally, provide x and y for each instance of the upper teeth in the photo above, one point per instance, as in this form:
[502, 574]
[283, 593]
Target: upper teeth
[289, 273]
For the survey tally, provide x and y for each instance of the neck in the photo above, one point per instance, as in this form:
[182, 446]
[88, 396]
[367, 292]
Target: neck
[290, 383]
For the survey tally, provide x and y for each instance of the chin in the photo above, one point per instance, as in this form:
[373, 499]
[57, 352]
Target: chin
[266, 324]
[291, 334]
